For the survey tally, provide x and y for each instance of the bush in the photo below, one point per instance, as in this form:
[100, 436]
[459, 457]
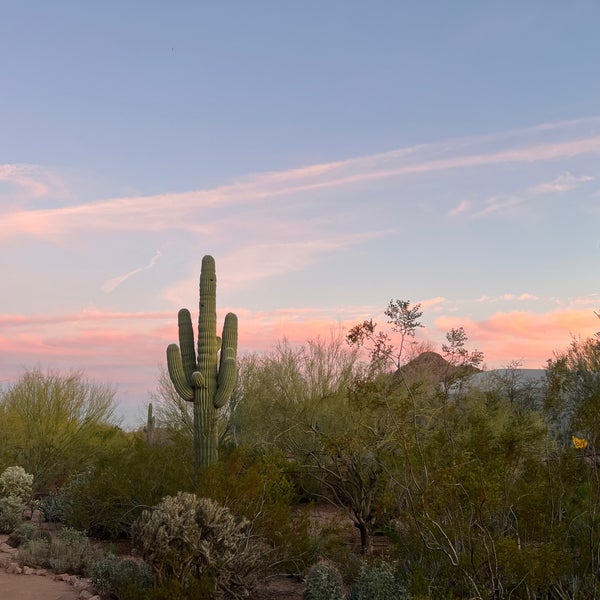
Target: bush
[52, 509]
[106, 499]
[70, 552]
[323, 582]
[113, 577]
[26, 532]
[15, 481]
[377, 582]
[186, 537]
[11, 513]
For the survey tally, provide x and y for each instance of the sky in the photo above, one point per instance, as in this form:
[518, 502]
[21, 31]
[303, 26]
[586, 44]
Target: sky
[330, 155]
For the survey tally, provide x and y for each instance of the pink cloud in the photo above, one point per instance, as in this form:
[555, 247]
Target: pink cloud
[523, 335]
[180, 210]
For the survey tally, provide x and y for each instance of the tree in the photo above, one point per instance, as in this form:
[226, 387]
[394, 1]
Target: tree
[574, 390]
[404, 320]
[298, 387]
[54, 424]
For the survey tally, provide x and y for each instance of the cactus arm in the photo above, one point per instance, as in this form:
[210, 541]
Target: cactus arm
[227, 367]
[186, 344]
[177, 374]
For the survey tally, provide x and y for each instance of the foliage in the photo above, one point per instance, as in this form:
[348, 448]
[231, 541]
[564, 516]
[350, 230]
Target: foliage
[106, 499]
[112, 576]
[23, 533]
[11, 513]
[52, 508]
[377, 581]
[298, 387]
[574, 390]
[54, 425]
[323, 582]
[187, 537]
[15, 481]
[259, 486]
[70, 552]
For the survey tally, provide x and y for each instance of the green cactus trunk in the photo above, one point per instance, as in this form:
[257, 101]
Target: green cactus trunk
[150, 423]
[204, 378]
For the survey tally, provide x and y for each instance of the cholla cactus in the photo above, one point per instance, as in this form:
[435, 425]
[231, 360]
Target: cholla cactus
[187, 537]
[323, 582]
[16, 482]
[196, 377]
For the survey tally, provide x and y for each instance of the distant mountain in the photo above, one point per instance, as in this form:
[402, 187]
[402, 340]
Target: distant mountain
[431, 368]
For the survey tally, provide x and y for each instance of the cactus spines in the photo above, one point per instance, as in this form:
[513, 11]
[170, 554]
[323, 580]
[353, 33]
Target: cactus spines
[205, 376]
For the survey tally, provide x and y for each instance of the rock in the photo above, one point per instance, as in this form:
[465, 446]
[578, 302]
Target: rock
[86, 595]
[4, 547]
[28, 571]
[14, 569]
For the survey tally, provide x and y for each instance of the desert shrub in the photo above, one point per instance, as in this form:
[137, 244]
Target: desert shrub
[11, 513]
[378, 582]
[113, 577]
[23, 533]
[35, 553]
[70, 552]
[323, 582]
[15, 481]
[106, 499]
[256, 484]
[185, 537]
[51, 508]
[191, 589]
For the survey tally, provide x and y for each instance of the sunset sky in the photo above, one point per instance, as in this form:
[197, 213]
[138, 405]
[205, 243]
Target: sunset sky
[329, 155]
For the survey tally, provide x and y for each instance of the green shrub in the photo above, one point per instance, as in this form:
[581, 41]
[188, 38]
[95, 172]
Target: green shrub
[323, 582]
[256, 485]
[70, 552]
[15, 481]
[186, 537]
[377, 582]
[51, 508]
[11, 513]
[106, 499]
[23, 533]
[113, 577]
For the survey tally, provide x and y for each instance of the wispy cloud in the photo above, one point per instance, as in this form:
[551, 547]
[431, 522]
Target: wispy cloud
[111, 284]
[32, 181]
[503, 203]
[253, 262]
[180, 210]
[563, 183]
[462, 207]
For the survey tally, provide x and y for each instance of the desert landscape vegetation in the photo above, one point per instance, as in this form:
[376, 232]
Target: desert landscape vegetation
[359, 466]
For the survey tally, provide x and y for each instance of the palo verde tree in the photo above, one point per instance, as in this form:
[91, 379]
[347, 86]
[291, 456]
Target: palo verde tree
[205, 378]
[55, 425]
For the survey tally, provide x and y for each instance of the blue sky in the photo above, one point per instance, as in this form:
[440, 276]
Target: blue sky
[330, 155]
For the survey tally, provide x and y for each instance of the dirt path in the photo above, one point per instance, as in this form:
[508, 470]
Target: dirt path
[40, 586]
[34, 587]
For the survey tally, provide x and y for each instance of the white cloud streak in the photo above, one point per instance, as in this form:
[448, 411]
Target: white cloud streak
[111, 284]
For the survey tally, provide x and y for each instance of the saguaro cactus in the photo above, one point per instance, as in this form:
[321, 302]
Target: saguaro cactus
[150, 424]
[197, 377]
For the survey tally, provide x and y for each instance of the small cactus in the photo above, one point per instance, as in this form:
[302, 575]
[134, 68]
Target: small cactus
[150, 423]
